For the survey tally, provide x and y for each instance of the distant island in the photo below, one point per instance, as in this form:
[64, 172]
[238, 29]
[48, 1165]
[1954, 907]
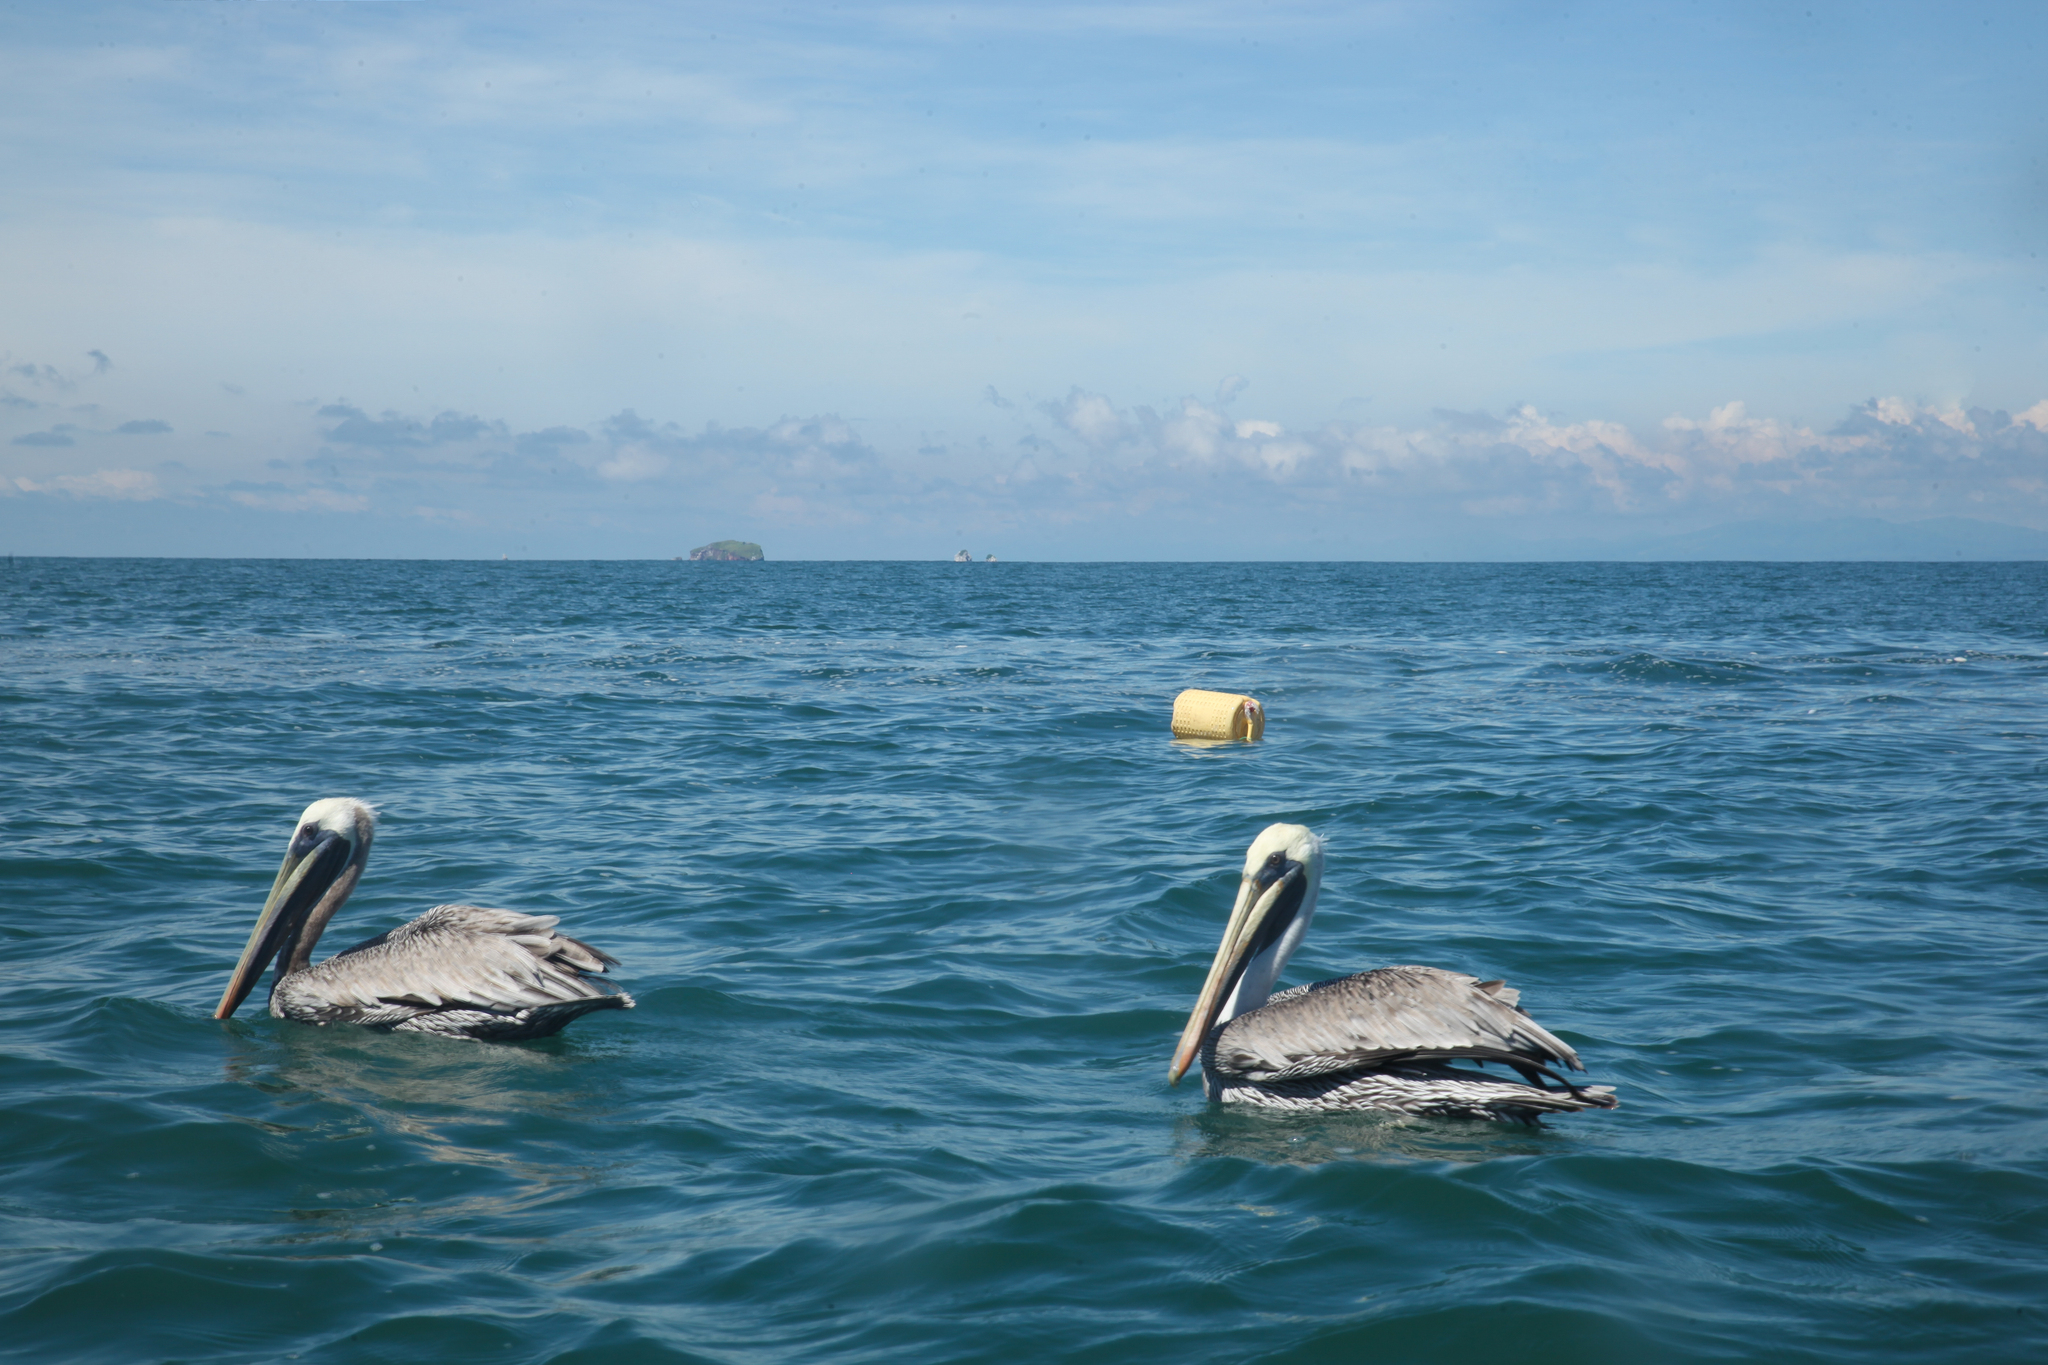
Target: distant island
[728, 550]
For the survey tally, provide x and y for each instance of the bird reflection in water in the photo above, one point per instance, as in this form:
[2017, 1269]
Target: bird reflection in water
[407, 1095]
[1362, 1135]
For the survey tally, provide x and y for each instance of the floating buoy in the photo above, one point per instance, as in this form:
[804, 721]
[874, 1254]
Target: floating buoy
[1217, 715]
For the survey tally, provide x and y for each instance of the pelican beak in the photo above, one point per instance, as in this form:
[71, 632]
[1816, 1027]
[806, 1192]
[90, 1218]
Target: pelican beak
[1246, 916]
[301, 882]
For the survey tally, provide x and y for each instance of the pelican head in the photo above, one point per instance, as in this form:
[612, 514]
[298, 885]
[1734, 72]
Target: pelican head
[321, 866]
[1276, 898]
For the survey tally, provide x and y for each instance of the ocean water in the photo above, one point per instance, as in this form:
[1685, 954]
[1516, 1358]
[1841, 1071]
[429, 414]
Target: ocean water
[915, 891]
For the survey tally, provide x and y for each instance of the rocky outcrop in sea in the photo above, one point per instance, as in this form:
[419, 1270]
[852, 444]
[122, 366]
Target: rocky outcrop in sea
[735, 550]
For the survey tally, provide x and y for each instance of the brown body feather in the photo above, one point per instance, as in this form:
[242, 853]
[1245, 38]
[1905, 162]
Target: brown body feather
[460, 970]
[1384, 1039]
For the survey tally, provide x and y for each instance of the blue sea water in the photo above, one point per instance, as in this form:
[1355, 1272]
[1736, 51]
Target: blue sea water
[915, 891]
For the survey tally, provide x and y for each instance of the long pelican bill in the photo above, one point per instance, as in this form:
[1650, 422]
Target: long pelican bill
[1246, 917]
[301, 881]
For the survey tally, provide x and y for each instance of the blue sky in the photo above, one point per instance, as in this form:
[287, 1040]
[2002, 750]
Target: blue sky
[1152, 280]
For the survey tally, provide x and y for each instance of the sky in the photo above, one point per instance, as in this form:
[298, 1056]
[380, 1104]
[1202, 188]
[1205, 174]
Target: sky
[1104, 281]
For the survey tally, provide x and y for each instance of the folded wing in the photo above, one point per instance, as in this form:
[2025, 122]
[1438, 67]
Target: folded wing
[1383, 1016]
[455, 958]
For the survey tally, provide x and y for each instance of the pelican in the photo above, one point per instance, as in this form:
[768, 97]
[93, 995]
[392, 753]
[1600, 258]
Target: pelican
[458, 970]
[1383, 1039]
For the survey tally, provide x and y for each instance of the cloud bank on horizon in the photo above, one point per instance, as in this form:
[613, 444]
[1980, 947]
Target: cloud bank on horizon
[1164, 280]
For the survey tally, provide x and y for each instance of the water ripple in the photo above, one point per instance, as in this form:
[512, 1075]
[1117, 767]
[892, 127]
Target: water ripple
[914, 893]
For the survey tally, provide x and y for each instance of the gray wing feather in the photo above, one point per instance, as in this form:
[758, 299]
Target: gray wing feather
[457, 956]
[1382, 1015]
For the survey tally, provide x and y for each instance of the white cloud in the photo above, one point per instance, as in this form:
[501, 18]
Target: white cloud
[1065, 465]
[881, 212]
[1886, 455]
[129, 485]
[1194, 433]
[1079, 455]
[634, 463]
[1091, 417]
[300, 500]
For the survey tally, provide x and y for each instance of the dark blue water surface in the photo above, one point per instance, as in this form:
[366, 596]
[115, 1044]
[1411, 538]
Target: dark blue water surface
[915, 892]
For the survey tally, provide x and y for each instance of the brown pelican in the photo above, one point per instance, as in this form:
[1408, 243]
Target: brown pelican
[458, 970]
[1383, 1039]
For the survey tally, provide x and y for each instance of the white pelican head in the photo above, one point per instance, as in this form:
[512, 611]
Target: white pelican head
[322, 864]
[1276, 898]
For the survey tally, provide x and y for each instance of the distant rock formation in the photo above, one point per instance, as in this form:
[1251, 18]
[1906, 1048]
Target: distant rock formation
[990, 560]
[963, 558]
[735, 550]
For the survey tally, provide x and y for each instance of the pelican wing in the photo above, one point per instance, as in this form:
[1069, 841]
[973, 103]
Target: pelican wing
[1384, 1015]
[459, 957]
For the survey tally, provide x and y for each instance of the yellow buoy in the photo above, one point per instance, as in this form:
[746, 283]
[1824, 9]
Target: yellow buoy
[1217, 715]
